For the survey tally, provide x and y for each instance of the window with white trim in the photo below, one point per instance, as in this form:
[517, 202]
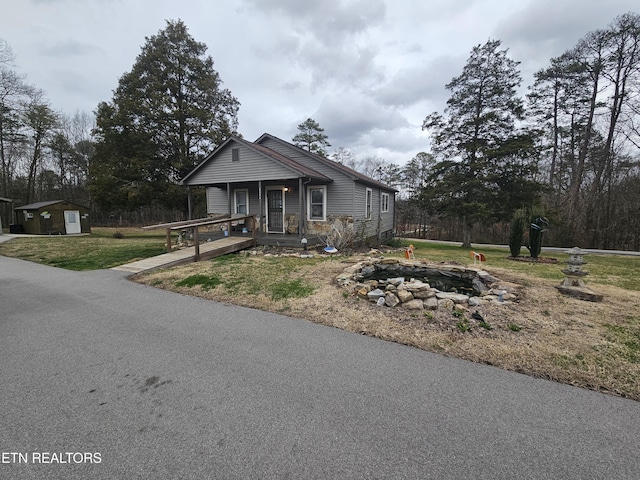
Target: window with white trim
[369, 202]
[384, 208]
[241, 198]
[317, 203]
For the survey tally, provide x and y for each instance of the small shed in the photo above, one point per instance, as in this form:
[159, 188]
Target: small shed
[54, 217]
[2, 210]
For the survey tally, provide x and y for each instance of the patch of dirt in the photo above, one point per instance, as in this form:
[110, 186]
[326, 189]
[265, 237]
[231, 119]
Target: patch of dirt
[523, 258]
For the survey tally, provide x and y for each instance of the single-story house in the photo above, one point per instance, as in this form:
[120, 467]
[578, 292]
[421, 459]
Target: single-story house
[53, 217]
[292, 192]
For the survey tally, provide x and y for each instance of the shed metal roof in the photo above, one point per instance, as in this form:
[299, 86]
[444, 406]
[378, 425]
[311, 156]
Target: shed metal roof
[37, 205]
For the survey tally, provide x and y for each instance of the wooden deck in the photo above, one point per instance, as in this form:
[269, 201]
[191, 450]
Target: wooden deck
[215, 248]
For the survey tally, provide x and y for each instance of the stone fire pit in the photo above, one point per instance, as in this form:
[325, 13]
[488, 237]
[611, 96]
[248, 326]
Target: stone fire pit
[399, 283]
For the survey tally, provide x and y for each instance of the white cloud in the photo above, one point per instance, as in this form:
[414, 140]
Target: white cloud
[347, 117]
[368, 71]
[69, 48]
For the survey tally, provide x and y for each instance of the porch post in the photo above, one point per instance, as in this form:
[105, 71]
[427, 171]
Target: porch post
[260, 206]
[229, 198]
[189, 214]
[196, 241]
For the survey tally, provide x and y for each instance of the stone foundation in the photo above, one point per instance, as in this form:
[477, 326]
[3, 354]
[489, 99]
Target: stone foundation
[418, 295]
[341, 223]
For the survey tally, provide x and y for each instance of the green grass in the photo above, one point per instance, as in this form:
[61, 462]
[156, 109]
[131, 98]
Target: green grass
[240, 275]
[616, 270]
[270, 276]
[290, 289]
[485, 325]
[101, 250]
[91, 252]
[625, 340]
[206, 282]
[463, 326]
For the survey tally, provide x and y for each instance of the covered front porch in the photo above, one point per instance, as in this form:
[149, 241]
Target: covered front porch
[285, 211]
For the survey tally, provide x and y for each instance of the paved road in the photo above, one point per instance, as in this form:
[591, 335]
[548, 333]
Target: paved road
[524, 250]
[165, 386]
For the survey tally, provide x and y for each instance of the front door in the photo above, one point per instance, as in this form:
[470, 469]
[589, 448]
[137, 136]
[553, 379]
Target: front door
[275, 211]
[72, 221]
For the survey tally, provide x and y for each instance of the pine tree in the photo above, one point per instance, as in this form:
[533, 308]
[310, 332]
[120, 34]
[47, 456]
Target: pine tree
[485, 168]
[311, 137]
[167, 113]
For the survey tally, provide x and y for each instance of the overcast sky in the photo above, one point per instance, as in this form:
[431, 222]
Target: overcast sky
[368, 71]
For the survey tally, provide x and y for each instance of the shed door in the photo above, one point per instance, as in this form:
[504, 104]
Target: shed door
[275, 211]
[72, 221]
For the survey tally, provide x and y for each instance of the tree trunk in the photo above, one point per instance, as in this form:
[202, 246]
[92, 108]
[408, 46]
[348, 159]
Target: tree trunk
[466, 233]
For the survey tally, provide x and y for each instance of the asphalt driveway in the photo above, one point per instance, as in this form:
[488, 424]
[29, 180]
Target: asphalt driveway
[120, 380]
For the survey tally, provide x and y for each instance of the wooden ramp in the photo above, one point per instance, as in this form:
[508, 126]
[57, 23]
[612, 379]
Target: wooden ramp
[215, 248]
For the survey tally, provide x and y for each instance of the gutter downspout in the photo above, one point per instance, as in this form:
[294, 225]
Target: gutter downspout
[393, 227]
[301, 228]
[379, 215]
[303, 210]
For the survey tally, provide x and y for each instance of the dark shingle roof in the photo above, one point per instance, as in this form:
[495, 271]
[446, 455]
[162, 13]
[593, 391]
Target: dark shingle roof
[332, 163]
[309, 172]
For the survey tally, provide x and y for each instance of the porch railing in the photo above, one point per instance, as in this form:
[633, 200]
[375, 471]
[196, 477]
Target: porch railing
[202, 222]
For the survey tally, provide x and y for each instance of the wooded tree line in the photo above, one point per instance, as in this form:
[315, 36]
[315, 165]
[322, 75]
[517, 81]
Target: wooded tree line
[125, 160]
[569, 145]
[43, 154]
[588, 104]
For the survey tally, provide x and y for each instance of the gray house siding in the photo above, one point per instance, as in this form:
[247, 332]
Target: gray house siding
[270, 163]
[218, 202]
[340, 192]
[381, 223]
[250, 165]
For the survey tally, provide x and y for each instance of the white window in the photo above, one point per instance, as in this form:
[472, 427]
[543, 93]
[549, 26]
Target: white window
[385, 203]
[367, 213]
[241, 198]
[317, 203]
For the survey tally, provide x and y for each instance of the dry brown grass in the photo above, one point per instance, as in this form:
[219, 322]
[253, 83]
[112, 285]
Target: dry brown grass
[546, 334]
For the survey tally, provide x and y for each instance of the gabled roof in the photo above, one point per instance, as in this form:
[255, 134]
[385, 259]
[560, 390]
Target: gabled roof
[6, 200]
[355, 175]
[36, 206]
[297, 168]
[292, 164]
